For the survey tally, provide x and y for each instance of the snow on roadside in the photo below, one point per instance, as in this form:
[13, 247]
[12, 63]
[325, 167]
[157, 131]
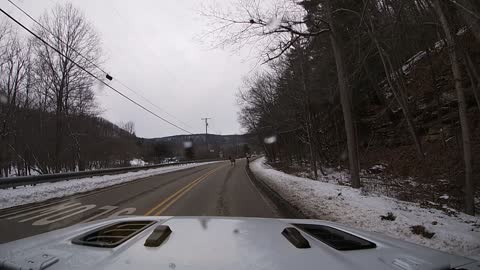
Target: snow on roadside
[458, 234]
[41, 192]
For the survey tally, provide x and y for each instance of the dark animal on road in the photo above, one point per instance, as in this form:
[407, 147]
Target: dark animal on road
[232, 161]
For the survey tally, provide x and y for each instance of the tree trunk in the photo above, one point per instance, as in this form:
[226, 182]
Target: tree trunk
[306, 104]
[401, 101]
[400, 95]
[474, 76]
[58, 132]
[345, 100]
[313, 160]
[437, 98]
[462, 109]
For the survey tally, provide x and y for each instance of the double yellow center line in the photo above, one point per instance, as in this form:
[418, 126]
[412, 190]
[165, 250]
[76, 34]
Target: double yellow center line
[166, 203]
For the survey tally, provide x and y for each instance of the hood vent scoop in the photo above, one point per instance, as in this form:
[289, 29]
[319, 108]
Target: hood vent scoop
[335, 238]
[295, 237]
[112, 235]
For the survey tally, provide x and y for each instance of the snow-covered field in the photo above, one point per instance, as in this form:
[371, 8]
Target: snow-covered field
[41, 192]
[457, 234]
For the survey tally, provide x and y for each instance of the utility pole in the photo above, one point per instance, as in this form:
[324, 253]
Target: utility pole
[206, 132]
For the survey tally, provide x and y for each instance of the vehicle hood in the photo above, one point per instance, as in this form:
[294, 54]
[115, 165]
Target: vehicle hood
[219, 243]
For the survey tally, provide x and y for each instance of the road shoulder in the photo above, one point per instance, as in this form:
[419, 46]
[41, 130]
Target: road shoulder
[282, 206]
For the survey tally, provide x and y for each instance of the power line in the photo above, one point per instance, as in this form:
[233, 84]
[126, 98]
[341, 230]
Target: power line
[108, 76]
[59, 39]
[153, 52]
[153, 104]
[91, 74]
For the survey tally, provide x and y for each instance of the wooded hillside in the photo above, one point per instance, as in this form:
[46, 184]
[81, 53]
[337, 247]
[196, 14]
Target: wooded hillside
[48, 113]
[363, 83]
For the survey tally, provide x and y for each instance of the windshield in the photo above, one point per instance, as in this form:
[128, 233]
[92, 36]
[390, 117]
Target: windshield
[364, 113]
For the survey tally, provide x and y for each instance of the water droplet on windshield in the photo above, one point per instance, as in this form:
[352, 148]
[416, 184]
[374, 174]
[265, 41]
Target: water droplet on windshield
[270, 140]
[274, 23]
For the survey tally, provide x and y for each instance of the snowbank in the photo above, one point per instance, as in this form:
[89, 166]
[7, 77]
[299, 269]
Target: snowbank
[459, 234]
[42, 192]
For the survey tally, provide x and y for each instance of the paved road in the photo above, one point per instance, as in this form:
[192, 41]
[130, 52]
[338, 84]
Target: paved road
[217, 189]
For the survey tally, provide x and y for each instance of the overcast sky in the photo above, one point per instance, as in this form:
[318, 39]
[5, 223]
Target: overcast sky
[152, 46]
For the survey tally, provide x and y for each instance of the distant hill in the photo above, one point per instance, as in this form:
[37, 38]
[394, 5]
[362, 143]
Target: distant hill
[200, 138]
[218, 145]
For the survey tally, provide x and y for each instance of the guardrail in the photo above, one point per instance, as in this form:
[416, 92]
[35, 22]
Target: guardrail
[12, 182]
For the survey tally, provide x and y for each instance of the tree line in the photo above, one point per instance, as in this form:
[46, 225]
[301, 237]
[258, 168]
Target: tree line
[49, 117]
[350, 80]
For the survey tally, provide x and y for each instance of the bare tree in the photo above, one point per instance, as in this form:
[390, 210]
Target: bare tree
[129, 127]
[379, 51]
[462, 106]
[13, 77]
[276, 28]
[392, 76]
[64, 85]
[5, 30]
